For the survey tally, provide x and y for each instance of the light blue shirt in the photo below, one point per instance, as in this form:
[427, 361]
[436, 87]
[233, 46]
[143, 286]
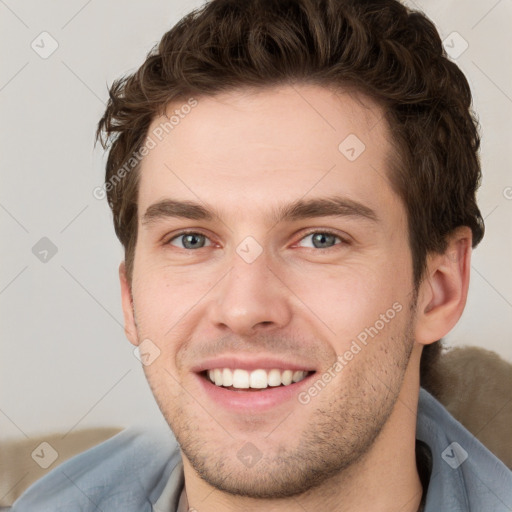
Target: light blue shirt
[141, 471]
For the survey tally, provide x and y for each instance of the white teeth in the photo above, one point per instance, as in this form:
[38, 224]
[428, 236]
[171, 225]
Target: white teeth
[240, 379]
[298, 376]
[257, 379]
[274, 378]
[286, 377]
[227, 377]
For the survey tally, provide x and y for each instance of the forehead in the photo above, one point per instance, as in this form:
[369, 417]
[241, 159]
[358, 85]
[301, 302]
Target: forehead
[254, 149]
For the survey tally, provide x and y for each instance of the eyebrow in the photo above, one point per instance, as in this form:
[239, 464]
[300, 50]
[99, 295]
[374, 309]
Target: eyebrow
[334, 206]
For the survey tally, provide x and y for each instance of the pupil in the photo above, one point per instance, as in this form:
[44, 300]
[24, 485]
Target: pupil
[322, 237]
[190, 239]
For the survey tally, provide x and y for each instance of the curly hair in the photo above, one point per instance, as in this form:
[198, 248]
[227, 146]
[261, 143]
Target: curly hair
[379, 48]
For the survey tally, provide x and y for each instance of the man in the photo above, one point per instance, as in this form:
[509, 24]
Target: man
[294, 186]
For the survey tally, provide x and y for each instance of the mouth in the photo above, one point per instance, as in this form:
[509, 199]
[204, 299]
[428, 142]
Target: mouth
[239, 379]
[252, 384]
[253, 391]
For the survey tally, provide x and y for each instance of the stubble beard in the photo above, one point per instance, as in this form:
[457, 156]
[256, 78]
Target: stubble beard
[344, 421]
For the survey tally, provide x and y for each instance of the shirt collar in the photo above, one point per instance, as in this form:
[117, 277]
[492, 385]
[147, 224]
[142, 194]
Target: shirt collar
[170, 497]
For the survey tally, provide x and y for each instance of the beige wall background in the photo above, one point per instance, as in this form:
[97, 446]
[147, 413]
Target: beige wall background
[65, 363]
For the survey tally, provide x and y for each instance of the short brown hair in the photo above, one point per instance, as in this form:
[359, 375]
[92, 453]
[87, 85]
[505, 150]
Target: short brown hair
[379, 48]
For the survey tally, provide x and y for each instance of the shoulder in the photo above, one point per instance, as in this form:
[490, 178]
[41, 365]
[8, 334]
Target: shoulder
[465, 474]
[122, 473]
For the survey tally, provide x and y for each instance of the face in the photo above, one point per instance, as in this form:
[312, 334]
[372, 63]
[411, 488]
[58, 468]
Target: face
[272, 258]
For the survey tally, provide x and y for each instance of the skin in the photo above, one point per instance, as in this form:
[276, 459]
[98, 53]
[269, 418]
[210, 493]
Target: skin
[352, 447]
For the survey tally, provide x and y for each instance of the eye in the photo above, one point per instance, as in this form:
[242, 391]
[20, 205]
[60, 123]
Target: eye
[196, 240]
[323, 239]
[190, 240]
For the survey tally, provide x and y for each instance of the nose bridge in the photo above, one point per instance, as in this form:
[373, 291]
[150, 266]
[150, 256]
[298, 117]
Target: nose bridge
[249, 268]
[251, 296]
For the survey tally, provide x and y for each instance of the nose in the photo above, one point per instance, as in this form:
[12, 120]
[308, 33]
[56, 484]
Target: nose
[251, 297]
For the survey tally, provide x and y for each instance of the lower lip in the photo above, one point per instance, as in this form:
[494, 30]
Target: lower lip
[253, 401]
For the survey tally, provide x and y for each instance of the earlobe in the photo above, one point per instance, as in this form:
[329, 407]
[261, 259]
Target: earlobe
[130, 328]
[443, 293]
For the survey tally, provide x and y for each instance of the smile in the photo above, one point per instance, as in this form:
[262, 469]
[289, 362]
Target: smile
[255, 379]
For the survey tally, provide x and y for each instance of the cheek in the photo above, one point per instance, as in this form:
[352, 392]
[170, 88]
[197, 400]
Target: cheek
[351, 298]
[163, 293]
[169, 304]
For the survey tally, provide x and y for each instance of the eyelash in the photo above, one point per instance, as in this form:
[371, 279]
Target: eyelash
[322, 231]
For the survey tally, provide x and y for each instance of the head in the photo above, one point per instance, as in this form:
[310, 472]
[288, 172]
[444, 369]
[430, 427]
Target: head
[244, 108]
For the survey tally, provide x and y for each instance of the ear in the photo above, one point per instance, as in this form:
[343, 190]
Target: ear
[443, 292]
[130, 328]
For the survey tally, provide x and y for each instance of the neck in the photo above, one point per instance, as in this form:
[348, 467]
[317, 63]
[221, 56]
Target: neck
[385, 479]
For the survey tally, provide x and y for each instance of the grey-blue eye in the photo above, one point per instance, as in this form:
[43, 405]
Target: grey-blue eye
[322, 239]
[194, 240]
[190, 240]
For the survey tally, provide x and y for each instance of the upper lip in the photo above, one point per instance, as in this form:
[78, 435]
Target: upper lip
[251, 363]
